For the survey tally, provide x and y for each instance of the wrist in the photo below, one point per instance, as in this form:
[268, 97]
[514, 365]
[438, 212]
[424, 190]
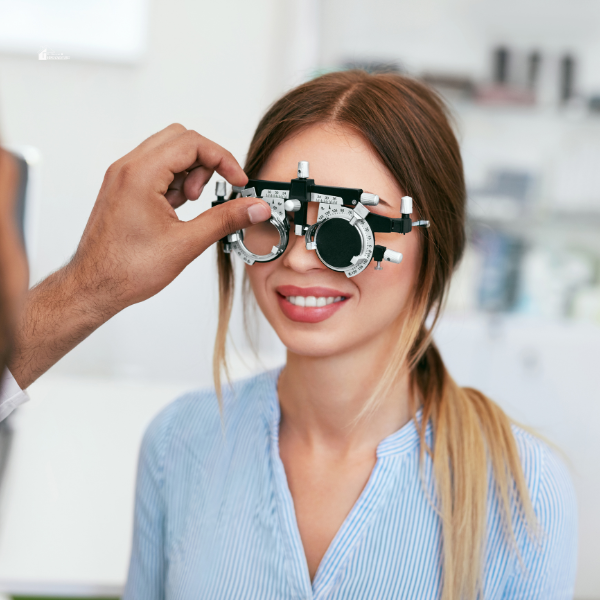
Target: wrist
[57, 314]
[89, 293]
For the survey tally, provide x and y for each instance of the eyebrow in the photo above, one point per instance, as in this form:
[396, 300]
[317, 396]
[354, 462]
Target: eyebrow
[381, 199]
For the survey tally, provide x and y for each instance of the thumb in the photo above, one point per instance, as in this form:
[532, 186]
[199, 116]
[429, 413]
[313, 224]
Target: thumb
[216, 223]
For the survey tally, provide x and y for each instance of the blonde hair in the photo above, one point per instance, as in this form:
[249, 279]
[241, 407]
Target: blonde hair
[408, 127]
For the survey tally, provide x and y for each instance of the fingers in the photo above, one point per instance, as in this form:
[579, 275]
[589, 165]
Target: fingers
[194, 183]
[175, 194]
[175, 198]
[188, 151]
[187, 186]
[162, 136]
[155, 140]
[212, 225]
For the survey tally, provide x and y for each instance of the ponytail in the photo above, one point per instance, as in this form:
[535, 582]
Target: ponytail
[470, 433]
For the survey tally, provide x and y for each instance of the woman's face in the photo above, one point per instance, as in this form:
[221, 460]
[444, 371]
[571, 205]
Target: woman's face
[371, 302]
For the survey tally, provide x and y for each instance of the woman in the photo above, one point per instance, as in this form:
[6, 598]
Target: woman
[360, 470]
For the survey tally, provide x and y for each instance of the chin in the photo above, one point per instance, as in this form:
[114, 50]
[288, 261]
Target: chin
[313, 345]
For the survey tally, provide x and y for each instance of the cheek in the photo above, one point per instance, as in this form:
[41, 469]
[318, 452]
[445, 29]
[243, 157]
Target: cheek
[384, 294]
[258, 275]
[387, 293]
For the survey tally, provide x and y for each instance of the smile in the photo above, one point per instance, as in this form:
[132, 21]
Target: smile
[310, 304]
[313, 301]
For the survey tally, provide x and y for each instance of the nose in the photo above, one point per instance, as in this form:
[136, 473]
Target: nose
[296, 256]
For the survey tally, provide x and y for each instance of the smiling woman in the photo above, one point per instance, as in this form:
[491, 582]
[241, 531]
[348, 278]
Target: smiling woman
[360, 469]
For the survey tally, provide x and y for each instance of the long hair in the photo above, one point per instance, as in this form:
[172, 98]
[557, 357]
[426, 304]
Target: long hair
[407, 125]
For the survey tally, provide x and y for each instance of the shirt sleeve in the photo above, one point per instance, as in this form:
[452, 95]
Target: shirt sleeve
[147, 568]
[549, 560]
[11, 395]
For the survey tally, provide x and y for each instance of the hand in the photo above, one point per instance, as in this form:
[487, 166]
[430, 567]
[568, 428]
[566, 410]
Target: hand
[133, 246]
[134, 243]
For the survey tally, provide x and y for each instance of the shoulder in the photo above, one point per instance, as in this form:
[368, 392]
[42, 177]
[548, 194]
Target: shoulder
[546, 563]
[546, 473]
[552, 551]
[196, 416]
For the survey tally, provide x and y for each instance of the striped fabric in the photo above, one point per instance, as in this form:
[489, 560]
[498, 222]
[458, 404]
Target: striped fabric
[214, 518]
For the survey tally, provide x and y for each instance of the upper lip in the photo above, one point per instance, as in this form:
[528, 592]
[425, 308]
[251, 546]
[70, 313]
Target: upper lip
[317, 291]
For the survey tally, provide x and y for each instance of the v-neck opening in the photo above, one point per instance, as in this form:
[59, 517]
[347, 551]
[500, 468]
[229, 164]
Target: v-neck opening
[355, 524]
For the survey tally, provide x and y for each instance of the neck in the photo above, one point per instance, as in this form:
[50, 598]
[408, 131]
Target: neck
[322, 399]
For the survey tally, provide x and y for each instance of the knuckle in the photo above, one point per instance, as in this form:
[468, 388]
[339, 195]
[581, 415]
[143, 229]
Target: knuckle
[191, 134]
[127, 171]
[112, 170]
[176, 128]
[196, 138]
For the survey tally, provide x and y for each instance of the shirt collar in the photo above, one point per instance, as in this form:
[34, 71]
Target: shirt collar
[405, 440]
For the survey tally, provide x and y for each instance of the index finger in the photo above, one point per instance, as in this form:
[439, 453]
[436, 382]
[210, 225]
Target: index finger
[156, 139]
[188, 151]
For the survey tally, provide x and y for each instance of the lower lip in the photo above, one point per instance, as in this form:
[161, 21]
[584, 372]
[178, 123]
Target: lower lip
[303, 314]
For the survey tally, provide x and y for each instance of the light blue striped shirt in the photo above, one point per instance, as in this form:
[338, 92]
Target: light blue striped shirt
[214, 517]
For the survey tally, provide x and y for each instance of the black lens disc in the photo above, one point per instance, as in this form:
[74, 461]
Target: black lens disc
[338, 242]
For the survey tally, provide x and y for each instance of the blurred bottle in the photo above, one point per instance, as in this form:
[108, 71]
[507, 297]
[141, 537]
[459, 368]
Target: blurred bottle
[500, 272]
[530, 76]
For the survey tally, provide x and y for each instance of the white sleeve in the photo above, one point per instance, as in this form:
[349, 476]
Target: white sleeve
[11, 395]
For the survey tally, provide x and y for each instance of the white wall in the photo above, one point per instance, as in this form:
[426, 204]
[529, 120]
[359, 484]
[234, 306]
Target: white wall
[213, 66]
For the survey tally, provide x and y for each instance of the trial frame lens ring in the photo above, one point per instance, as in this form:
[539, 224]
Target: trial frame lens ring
[343, 243]
[282, 227]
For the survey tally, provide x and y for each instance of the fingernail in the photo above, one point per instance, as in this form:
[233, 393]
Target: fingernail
[259, 212]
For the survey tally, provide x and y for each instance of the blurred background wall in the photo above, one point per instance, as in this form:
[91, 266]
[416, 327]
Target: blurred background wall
[523, 82]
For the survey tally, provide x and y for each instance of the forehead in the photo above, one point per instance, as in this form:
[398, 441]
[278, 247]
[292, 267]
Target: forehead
[337, 156]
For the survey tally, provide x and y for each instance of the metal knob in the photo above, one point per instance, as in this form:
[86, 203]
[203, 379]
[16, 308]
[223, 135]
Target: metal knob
[406, 206]
[369, 199]
[249, 193]
[392, 256]
[292, 205]
[303, 169]
[221, 188]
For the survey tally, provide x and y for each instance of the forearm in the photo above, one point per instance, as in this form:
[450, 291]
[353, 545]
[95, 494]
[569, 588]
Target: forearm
[133, 246]
[58, 314]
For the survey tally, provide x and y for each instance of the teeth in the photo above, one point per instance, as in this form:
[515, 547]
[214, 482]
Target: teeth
[313, 301]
